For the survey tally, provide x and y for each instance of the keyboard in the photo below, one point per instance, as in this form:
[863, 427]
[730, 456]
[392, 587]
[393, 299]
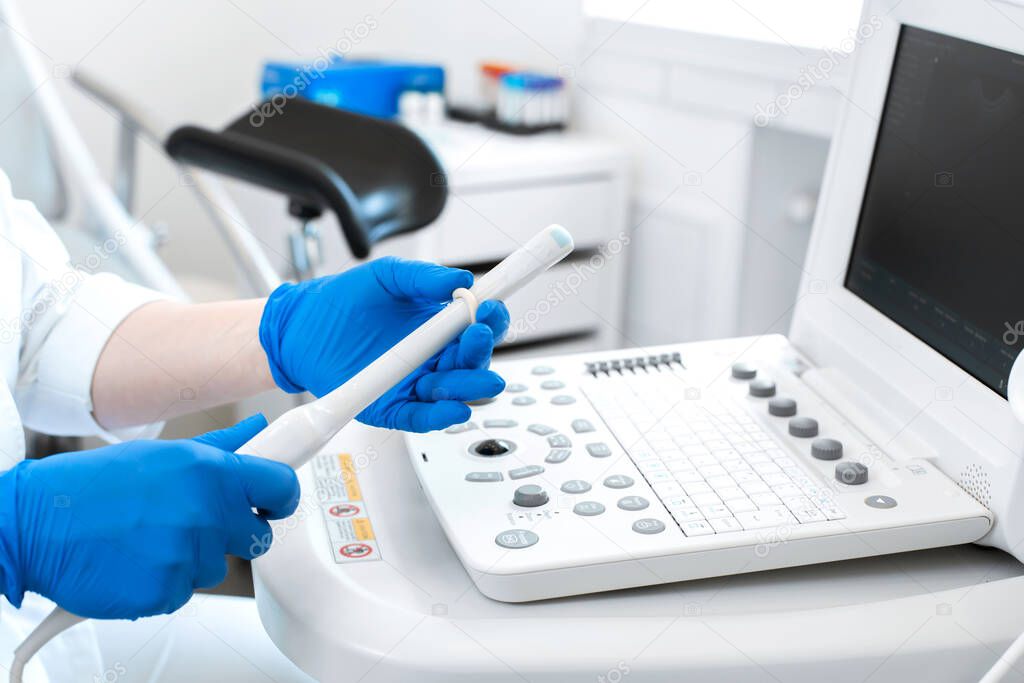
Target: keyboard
[597, 472]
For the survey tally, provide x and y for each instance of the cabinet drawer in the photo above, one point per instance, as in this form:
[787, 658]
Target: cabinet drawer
[487, 225]
[558, 302]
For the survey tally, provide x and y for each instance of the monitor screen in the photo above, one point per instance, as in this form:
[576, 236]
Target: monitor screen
[939, 247]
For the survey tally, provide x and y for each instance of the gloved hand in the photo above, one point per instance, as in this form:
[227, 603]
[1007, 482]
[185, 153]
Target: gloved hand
[318, 334]
[130, 530]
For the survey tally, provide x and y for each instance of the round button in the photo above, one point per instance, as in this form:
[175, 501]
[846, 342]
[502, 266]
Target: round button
[851, 473]
[880, 502]
[530, 496]
[648, 526]
[490, 448]
[762, 388]
[827, 449]
[782, 407]
[563, 400]
[515, 388]
[542, 370]
[803, 427]
[618, 481]
[523, 401]
[633, 503]
[588, 508]
[744, 371]
[516, 538]
[552, 384]
[575, 486]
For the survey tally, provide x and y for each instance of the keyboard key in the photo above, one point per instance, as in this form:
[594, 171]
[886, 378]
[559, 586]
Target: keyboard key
[673, 502]
[699, 461]
[559, 441]
[667, 488]
[765, 499]
[764, 519]
[787, 490]
[685, 515]
[700, 499]
[752, 487]
[775, 479]
[722, 482]
[690, 476]
[730, 493]
[557, 455]
[542, 430]
[693, 488]
[712, 471]
[697, 528]
[724, 525]
[526, 471]
[715, 511]
[741, 505]
[806, 515]
[582, 426]
[832, 512]
[798, 503]
[500, 424]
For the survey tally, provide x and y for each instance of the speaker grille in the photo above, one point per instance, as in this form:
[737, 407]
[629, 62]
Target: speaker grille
[974, 479]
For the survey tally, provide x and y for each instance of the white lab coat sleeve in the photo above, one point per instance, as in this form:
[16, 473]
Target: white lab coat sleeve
[67, 315]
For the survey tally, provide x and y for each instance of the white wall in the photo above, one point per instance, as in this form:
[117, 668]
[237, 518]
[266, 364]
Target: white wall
[199, 61]
[685, 105]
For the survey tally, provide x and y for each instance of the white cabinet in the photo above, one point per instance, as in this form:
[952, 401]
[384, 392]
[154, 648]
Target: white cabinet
[502, 190]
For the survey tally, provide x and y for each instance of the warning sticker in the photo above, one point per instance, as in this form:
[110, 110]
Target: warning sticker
[344, 510]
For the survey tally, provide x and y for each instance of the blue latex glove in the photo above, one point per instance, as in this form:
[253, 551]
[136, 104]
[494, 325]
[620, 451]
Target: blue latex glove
[320, 333]
[130, 530]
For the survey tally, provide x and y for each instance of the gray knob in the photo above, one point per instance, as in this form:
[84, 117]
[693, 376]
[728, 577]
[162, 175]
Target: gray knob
[827, 449]
[782, 407]
[530, 496]
[851, 473]
[744, 371]
[803, 427]
[762, 388]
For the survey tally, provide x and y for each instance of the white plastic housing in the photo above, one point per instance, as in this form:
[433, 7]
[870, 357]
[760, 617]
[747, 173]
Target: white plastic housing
[297, 435]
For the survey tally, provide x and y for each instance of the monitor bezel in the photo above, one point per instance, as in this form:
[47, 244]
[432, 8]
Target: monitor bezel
[930, 395]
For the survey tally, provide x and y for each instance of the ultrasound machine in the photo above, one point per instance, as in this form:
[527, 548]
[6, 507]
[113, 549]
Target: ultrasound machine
[839, 503]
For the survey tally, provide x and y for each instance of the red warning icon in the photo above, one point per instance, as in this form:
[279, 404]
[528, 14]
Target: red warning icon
[355, 550]
[344, 510]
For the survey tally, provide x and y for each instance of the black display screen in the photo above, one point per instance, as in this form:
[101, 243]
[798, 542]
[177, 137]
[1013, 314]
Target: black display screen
[940, 240]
